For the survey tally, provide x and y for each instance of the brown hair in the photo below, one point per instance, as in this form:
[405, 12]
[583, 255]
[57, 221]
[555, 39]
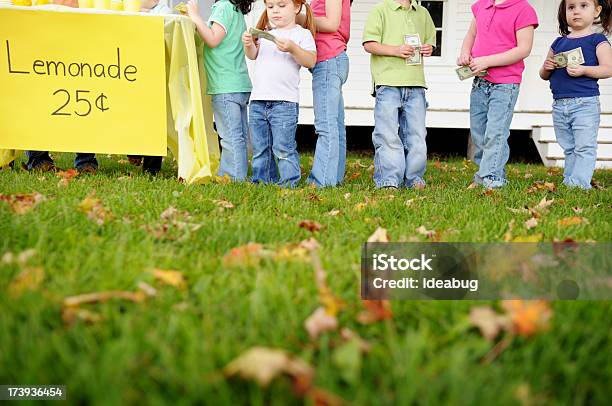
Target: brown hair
[604, 19]
[309, 24]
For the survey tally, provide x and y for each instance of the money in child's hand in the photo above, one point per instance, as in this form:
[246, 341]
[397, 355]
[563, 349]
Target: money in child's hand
[262, 34]
[574, 57]
[181, 8]
[464, 72]
[414, 40]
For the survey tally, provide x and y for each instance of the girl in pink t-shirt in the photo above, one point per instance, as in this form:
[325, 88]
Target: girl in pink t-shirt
[499, 39]
[333, 22]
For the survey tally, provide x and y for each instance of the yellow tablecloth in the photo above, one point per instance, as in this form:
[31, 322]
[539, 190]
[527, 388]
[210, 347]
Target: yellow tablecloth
[191, 136]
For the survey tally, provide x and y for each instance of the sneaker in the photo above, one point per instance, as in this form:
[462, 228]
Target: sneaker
[87, 169]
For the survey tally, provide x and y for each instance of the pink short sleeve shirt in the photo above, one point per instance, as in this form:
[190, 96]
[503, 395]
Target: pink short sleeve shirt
[496, 27]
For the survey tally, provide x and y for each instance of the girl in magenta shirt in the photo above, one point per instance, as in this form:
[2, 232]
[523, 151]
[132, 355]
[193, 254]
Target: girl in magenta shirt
[499, 39]
[333, 22]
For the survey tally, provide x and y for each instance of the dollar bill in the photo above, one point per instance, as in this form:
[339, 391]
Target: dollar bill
[262, 34]
[464, 72]
[181, 8]
[414, 40]
[572, 58]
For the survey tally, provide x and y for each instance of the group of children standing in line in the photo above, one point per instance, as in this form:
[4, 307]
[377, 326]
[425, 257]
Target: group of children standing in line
[315, 36]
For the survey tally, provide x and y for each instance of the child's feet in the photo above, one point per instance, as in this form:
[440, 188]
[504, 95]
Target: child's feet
[44, 166]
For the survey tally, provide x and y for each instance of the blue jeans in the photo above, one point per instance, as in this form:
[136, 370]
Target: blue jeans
[330, 153]
[400, 151]
[230, 111]
[576, 122]
[36, 158]
[491, 110]
[273, 125]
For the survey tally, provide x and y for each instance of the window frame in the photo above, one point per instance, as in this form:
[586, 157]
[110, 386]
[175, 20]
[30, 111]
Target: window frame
[448, 37]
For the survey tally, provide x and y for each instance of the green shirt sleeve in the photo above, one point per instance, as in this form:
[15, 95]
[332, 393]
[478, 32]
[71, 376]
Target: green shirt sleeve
[430, 31]
[373, 28]
[222, 14]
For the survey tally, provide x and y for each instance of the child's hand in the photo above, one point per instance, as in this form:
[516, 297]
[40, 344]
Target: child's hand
[464, 59]
[479, 64]
[247, 39]
[192, 10]
[576, 71]
[550, 64]
[404, 51]
[285, 45]
[426, 49]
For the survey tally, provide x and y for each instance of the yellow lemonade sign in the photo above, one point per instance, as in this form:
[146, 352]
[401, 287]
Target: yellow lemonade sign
[77, 82]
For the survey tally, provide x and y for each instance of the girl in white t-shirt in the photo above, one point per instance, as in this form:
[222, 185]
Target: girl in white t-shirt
[273, 112]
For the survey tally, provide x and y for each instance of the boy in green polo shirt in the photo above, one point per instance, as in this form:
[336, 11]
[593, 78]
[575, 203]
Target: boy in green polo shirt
[400, 155]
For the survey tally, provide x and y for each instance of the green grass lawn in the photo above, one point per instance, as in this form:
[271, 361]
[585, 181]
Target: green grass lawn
[172, 348]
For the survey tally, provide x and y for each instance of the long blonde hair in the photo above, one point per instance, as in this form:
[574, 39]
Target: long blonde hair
[309, 24]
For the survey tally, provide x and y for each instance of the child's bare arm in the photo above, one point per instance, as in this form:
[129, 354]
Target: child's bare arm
[604, 70]
[524, 38]
[465, 57]
[212, 36]
[307, 59]
[376, 48]
[549, 66]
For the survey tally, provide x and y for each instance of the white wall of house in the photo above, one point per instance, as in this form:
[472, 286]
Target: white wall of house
[448, 97]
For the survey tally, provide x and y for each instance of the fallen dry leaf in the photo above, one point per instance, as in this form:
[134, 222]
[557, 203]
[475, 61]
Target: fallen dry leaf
[100, 297]
[71, 314]
[577, 210]
[489, 322]
[347, 196]
[330, 302]
[310, 225]
[375, 310]
[353, 176]
[262, 365]
[224, 204]
[571, 221]
[28, 279]
[380, 235]
[93, 208]
[22, 203]
[528, 316]
[431, 234]
[245, 255]
[333, 213]
[531, 223]
[169, 277]
[541, 185]
[66, 176]
[147, 289]
[319, 322]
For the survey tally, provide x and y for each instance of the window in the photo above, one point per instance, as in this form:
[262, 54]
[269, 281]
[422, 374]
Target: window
[436, 10]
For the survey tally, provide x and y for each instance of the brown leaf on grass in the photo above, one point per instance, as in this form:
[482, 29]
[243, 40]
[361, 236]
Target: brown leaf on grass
[380, 235]
[24, 256]
[531, 223]
[528, 317]
[312, 196]
[375, 310]
[291, 252]
[347, 196]
[319, 322]
[353, 176]
[158, 231]
[571, 221]
[95, 211]
[541, 185]
[22, 203]
[100, 297]
[66, 176]
[245, 255]
[330, 302]
[262, 365]
[71, 314]
[147, 289]
[169, 277]
[28, 279]
[489, 322]
[310, 225]
[528, 175]
[431, 234]
[224, 204]
[577, 210]
[333, 213]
